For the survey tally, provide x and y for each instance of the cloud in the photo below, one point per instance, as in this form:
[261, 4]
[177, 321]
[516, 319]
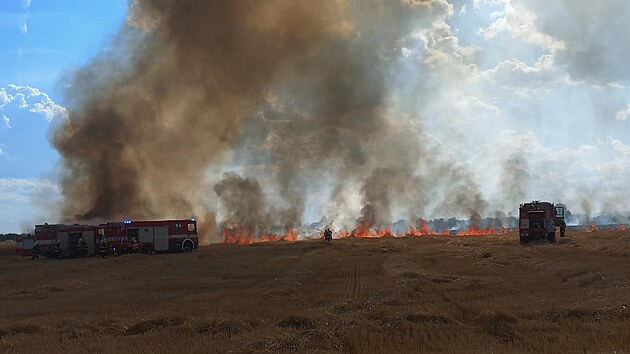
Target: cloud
[7, 121]
[26, 4]
[593, 33]
[521, 24]
[622, 115]
[524, 79]
[22, 24]
[31, 99]
[26, 201]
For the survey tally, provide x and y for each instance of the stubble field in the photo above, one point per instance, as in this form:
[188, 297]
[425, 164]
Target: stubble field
[414, 294]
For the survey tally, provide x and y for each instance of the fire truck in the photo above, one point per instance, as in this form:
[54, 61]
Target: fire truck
[152, 236]
[537, 219]
[49, 234]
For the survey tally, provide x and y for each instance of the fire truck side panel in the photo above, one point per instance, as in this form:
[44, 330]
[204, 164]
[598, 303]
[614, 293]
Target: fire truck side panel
[161, 238]
[18, 245]
[145, 235]
[27, 246]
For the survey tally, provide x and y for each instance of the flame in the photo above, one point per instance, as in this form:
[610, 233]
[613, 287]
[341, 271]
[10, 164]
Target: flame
[290, 235]
[246, 236]
[591, 228]
[619, 228]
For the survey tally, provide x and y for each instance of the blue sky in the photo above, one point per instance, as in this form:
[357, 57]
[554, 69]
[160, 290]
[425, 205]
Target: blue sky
[489, 81]
[42, 40]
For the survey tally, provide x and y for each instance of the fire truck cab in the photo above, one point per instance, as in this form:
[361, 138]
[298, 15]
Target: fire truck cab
[537, 220]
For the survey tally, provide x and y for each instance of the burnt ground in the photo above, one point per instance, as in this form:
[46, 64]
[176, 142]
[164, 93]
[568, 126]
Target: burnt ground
[418, 294]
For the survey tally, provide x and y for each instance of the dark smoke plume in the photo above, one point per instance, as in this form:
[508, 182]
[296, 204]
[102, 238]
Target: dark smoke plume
[294, 92]
[244, 202]
[147, 118]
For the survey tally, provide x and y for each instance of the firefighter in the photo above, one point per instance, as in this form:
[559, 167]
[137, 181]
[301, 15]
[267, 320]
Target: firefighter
[84, 246]
[79, 247]
[102, 248]
[328, 234]
[58, 249]
[134, 245]
[35, 250]
[563, 227]
[127, 245]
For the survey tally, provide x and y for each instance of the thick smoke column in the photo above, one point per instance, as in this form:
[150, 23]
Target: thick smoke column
[148, 117]
[297, 92]
[245, 203]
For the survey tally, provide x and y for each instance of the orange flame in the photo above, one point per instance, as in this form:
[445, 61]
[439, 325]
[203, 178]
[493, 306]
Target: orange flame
[246, 236]
[591, 228]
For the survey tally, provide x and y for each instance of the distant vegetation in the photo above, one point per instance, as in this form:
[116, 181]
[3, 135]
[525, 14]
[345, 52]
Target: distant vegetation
[9, 236]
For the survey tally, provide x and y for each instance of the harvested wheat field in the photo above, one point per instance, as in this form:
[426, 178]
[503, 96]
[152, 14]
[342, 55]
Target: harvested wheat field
[414, 294]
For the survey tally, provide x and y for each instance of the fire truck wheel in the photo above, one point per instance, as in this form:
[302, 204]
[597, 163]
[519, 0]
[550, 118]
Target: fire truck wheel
[147, 250]
[187, 246]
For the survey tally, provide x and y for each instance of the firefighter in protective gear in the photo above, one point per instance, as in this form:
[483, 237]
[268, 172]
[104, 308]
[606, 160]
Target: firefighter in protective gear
[563, 227]
[102, 248]
[35, 250]
[84, 246]
[58, 249]
[79, 247]
[134, 245]
[328, 234]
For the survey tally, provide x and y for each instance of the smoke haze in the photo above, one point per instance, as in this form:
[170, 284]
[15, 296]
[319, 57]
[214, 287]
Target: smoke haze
[273, 113]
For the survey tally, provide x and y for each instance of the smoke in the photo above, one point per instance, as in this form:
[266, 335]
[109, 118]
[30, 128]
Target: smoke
[294, 95]
[513, 178]
[149, 116]
[244, 203]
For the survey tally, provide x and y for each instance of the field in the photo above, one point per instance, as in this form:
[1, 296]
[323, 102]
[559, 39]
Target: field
[415, 294]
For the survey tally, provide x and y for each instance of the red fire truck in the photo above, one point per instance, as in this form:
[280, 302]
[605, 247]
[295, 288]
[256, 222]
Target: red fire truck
[49, 234]
[537, 220]
[152, 236]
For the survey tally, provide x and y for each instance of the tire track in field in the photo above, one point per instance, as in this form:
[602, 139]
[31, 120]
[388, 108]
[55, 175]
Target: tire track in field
[349, 284]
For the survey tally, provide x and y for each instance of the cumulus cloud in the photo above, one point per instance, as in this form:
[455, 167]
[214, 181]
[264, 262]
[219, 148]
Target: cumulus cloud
[623, 115]
[520, 23]
[593, 33]
[31, 99]
[524, 79]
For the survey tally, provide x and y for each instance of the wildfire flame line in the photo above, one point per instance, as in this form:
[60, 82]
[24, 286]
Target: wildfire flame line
[245, 236]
